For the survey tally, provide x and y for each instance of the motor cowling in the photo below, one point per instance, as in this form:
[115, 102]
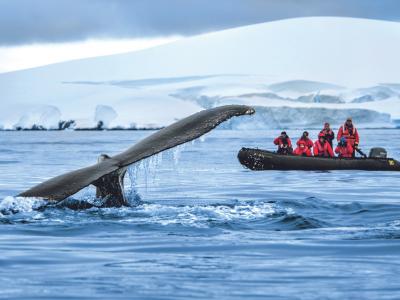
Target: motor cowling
[377, 152]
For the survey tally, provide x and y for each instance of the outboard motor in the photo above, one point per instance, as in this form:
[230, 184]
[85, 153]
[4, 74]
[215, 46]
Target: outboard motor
[377, 152]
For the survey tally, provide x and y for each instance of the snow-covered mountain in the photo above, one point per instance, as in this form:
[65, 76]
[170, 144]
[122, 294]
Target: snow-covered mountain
[298, 72]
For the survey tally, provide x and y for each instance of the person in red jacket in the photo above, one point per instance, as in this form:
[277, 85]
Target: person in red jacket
[304, 145]
[329, 134]
[322, 147]
[350, 133]
[302, 149]
[344, 149]
[284, 143]
[308, 142]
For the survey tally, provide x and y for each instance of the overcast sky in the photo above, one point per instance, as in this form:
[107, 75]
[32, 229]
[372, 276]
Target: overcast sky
[40, 32]
[44, 21]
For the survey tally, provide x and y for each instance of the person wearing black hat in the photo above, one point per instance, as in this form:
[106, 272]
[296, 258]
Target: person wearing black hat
[329, 134]
[307, 141]
[284, 143]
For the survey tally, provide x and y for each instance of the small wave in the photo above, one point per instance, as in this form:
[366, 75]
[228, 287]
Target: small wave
[395, 223]
[316, 204]
[243, 215]
[20, 204]
[299, 222]
[203, 216]
[237, 215]
[276, 215]
[8, 162]
[12, 205]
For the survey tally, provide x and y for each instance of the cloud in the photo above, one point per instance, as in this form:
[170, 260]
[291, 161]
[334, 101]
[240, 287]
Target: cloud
[38, 21]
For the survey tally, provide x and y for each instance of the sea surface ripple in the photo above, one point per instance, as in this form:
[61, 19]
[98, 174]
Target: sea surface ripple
[200, 225]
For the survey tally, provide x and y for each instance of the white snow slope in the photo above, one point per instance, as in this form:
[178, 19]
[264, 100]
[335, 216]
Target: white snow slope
[307, 68]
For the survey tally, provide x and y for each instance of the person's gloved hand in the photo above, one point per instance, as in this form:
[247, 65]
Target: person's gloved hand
[356, 145]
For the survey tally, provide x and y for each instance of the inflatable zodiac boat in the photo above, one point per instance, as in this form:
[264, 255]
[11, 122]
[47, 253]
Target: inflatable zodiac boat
[256, 159]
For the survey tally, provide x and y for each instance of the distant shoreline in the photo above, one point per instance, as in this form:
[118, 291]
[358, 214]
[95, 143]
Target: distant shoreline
[83, 129]
[158, 128]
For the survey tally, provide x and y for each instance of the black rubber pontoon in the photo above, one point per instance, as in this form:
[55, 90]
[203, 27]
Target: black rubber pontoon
[259, 160]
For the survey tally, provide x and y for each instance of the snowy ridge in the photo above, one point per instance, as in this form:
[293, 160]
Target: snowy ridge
[334, 66]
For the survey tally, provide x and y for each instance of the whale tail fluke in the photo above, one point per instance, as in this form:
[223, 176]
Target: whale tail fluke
[110, 187]
[107, 175]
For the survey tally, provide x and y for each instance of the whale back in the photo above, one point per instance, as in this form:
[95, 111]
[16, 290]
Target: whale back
[185, 130]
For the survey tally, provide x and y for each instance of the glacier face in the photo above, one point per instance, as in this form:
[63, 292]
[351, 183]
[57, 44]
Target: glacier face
[323, 65]
[299, 118]
[163, 102]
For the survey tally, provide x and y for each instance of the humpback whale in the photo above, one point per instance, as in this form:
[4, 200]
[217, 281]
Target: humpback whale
[107, 175]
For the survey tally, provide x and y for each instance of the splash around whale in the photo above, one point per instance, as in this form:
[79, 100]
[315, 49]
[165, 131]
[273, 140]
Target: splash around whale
[108, 174]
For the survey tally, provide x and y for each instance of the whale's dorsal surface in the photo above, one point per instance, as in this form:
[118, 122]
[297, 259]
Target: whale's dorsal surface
[185, 130]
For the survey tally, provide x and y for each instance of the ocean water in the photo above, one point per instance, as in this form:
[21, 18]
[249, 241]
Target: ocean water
[200, 226]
